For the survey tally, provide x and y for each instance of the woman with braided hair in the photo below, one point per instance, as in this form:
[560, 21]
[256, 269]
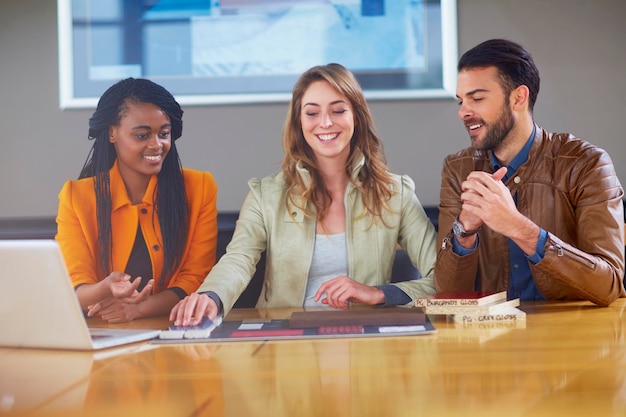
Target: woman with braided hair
[138, 232]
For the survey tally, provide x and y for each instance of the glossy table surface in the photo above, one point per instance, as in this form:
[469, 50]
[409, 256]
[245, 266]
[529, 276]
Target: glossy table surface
[567, 359]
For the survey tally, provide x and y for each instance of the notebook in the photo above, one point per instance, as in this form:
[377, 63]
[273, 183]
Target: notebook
[38, 306]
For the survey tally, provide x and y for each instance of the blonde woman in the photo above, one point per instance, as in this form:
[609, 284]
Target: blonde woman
[330, 221]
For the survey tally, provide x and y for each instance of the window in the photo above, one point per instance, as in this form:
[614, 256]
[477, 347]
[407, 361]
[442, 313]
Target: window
[244, 51]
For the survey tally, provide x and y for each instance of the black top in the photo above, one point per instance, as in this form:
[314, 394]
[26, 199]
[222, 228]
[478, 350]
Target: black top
[139, 263]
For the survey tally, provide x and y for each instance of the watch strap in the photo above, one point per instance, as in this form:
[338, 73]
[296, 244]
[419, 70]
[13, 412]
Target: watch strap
[459, 230]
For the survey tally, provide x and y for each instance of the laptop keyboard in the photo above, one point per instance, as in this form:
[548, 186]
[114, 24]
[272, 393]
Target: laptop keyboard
[201, 331]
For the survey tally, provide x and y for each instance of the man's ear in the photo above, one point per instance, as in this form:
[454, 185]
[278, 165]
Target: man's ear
[519, 97]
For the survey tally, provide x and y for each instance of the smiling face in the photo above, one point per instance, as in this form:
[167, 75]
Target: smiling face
[142, 140]
[484, 107]
[327, 121]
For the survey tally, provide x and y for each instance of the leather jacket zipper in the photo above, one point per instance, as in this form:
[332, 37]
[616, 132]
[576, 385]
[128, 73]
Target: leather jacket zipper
[560, 251]
[445, 242]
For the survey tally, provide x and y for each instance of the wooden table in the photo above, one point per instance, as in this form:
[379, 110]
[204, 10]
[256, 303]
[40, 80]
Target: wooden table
[568, 360]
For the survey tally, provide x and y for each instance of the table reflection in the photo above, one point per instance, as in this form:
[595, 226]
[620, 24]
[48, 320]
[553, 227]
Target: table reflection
[168, 380]
[568, 358]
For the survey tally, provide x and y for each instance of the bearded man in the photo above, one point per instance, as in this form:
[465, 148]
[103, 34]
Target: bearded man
[535, 213]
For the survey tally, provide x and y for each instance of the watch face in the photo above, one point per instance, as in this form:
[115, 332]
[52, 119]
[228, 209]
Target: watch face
[457, 229]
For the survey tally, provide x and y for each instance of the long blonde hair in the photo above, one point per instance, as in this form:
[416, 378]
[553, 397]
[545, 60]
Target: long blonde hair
[374, 180]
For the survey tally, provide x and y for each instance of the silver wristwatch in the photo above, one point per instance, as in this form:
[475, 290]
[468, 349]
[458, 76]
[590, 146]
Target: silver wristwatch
[459, 231]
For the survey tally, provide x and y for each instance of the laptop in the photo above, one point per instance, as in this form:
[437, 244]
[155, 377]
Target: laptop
[38, 306]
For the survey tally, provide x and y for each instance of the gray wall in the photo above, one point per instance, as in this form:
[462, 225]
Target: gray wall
[577, 44]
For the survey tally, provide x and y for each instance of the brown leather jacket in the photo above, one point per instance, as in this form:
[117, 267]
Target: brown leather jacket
[569, 188]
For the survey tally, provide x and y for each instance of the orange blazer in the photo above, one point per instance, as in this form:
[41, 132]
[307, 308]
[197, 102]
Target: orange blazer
[77, 229]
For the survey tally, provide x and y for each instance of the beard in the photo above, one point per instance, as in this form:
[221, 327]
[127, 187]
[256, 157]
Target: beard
[496, 132]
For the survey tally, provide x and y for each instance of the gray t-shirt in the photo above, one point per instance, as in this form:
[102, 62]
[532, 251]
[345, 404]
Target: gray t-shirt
[330, 260]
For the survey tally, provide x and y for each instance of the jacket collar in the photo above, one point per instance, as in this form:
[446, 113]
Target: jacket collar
[119, 196]
[540, 136]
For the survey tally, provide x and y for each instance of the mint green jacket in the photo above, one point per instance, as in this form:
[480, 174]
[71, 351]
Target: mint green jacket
[288, 239]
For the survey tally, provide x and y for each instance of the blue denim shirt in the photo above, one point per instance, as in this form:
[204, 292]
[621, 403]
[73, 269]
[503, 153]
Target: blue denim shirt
[521, 283]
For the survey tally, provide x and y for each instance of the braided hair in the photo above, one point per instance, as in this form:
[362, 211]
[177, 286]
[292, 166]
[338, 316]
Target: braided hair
[169, 199]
